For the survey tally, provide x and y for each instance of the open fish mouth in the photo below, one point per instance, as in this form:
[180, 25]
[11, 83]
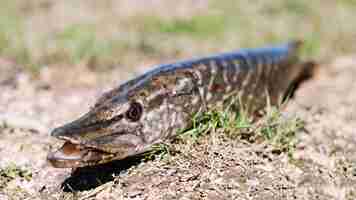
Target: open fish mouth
[80, 152]
[72, 155]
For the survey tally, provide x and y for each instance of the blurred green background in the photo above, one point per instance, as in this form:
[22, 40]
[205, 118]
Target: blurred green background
[112, 33]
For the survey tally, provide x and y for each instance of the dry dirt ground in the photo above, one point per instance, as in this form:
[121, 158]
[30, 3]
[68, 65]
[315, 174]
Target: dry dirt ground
[81, 48]
[217, 167]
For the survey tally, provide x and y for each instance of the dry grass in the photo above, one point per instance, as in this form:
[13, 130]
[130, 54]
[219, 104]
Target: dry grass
[119, 33]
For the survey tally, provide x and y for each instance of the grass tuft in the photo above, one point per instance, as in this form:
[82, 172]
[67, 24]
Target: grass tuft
[280, 130]
[11, 172]
[274, 127]
[196, 26]
[204, 123]
[79, 43]
[12, 41]
[159, 151]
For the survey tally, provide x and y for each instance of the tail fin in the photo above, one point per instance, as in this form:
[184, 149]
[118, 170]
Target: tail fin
[296, 44]
[295, 47]
[306, 68]
[302, 70]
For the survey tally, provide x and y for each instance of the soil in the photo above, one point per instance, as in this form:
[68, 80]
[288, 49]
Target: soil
[323, 165]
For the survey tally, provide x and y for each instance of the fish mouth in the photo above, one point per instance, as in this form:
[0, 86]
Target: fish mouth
[79, 150]
[76, 151]
[72, 155]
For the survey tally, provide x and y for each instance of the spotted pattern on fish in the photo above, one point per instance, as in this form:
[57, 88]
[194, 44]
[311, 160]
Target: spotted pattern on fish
[153, 107]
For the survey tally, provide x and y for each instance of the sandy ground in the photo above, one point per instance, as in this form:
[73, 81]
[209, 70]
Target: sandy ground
[40, 33]
[217, 167]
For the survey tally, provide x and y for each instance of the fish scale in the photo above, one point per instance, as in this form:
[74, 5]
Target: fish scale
[151, 108]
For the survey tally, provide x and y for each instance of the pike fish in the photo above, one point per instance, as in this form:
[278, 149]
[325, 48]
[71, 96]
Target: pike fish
[152, 107]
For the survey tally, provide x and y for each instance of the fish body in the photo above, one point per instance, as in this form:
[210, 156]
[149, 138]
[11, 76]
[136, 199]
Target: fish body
[151, 108]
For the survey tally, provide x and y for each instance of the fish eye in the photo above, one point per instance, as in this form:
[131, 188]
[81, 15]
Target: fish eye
[134, 112]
